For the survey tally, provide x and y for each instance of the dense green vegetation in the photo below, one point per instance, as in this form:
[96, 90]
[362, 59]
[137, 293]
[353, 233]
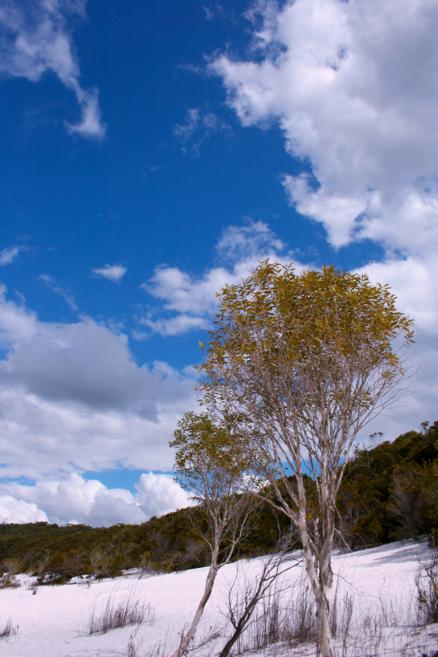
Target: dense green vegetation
[389, 492]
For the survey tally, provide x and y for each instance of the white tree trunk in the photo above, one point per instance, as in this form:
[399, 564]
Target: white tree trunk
[318, 570]
[324, 636]
[188, 636]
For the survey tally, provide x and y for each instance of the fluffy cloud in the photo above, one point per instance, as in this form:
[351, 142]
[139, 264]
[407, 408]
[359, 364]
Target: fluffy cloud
[251, 241]
[184, 293]
[414, 281]
[77, 500]
[193, 298]
[84, 363]
[35, 39]
[353, 87]
[158, 494]
[16, 322]
[113, 273]
[42, 438]
[172, 326]
[72, 398]
[19, 511]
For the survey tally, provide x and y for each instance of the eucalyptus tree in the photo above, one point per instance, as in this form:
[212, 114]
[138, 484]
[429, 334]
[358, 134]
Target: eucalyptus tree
[211, 462]
[305, 361]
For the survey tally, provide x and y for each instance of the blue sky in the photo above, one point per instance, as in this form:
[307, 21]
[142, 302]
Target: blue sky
[152, 152]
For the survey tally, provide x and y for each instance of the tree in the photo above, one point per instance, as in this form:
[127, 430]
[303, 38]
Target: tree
[305, 361]
[211, 462]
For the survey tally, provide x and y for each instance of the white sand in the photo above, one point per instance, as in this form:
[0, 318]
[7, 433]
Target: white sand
[53, 623]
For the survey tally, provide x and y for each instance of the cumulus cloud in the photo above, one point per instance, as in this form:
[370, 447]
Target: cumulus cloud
[414, 281]
[197, 127]
[73, 398]
[158, 494]
[35, 39]
[113, 273]
[353, 87]
[185, 293]
[77, 500]
[19, 511]
[193, 298]
[82, 362]
[41, 438]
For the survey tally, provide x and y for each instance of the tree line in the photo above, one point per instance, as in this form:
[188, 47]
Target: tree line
[380, 484]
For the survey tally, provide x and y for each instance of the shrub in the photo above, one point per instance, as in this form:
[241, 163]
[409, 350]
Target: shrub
[8, 581]
[117, 614]
[290, 621]
[427, 592]
[8, 629]
[133, 644]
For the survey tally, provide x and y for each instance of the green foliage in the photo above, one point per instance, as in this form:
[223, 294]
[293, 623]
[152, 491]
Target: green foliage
[391, 492]
[317, 323]
[55, 553]
[209, 458]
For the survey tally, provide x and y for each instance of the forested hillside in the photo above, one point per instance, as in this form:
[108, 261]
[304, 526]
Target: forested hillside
[388, 493]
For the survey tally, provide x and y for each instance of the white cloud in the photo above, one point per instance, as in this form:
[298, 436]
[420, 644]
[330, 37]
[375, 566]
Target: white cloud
[44, 438]
[77, 500]
[72, 398]
[353, 87]
[193, 298]
[337, 212]
[111, 272]
[414, 282]
[253, 239]
[9, 254]
[158, 494]
[184, 293]
[16, 322]
[19, 511]
[174, 325]
[85, 363]
[90, 123]
[36, 39]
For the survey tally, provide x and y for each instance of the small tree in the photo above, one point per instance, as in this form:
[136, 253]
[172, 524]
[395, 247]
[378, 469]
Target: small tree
[210, 462]
[242, 604]
[305, 362]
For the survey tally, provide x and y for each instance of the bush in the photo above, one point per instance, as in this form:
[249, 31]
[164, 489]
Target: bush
[8, 629]
[8, 581]
[427, 592]
[117, 614]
